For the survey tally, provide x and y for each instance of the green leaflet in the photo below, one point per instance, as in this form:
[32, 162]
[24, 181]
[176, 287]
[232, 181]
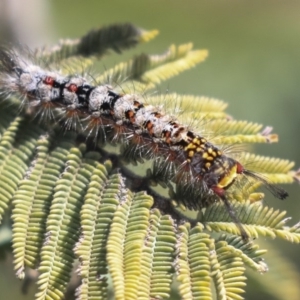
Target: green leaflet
[188, 105]
[117, 37]
[100, 204]
[256, 219]
[192, 263]
[249, 252]
[63, 223]
[144, 72]
[16, 153]
[157, 258]
[125, 241]
[227, 272]
[32, 201]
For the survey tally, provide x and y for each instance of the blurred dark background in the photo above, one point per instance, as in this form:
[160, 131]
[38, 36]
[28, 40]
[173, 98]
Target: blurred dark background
[253, 64]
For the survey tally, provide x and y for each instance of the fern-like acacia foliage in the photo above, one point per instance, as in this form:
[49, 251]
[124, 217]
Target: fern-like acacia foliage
[77, 202]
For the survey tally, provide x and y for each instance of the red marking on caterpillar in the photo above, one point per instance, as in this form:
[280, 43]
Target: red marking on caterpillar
[202, 170]
[240, 168]
[72, 88]
[49, 80]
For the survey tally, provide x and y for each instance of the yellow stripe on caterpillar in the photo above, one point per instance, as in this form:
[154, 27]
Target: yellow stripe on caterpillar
[228, 178]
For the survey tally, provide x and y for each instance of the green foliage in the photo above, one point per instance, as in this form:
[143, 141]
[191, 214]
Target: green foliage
[71, 206]
[98, 42]
[100, 204]
[144, 72]
[193, 263]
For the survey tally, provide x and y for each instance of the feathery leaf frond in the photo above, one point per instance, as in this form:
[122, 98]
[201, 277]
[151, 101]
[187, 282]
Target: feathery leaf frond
[157, 257]
[256, 219]
[144, 72]
[97, 42]
[193, 263]
[125, 241]
[100, 204]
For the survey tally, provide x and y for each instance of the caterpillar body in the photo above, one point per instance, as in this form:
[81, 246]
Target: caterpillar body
[199, 164]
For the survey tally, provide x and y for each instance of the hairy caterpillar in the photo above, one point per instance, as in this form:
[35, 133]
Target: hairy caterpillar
[199, 168]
